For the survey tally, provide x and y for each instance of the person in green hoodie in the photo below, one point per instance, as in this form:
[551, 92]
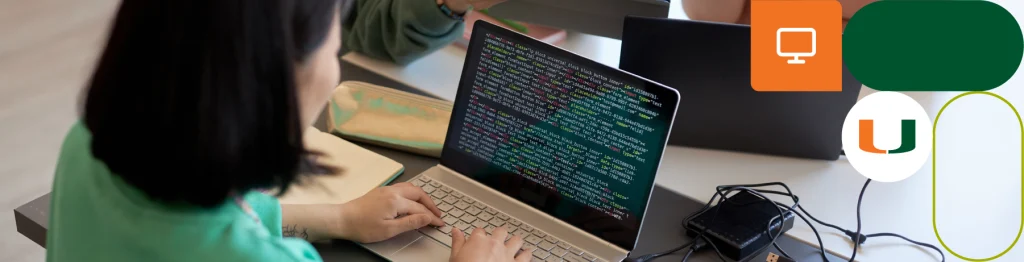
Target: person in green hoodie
[196, 108]
[402, 31]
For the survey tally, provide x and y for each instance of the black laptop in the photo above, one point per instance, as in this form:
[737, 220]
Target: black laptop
[709, 64]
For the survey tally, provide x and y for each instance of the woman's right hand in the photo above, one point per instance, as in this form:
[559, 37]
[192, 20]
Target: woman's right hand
[385, 212]
[490, 248]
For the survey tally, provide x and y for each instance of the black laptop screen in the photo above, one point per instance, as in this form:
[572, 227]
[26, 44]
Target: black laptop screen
[566, 135]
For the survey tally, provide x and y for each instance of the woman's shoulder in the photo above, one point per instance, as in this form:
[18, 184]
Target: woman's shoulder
[75, 158]
[76, 141]
[76, 167]
[86, 192]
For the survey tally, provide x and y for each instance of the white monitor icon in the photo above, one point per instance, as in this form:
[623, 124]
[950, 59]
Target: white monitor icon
[796, 56]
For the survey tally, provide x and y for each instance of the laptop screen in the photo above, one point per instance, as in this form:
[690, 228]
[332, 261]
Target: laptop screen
[576, 139]
[714, 75]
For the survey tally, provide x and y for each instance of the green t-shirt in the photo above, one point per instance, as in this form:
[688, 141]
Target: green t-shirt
[97, 217]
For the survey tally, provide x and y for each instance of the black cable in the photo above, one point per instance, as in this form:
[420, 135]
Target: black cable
[857, 239]
[714, 247]
[650, 257]
[704, 209]
[705, 230]
[821, 245]
[713, 218]
[911, 241]
[856, 236]
[695, 245]
[796, 202]
[768, 228]
[849, 233]
[687, 256]
[777, 247]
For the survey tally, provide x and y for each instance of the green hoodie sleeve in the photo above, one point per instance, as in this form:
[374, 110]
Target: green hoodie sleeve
[398, 30]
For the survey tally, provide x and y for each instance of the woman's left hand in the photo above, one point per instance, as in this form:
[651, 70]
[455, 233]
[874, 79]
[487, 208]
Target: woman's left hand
[386, 212]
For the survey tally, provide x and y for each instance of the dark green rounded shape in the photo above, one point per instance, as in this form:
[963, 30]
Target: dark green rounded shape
[932, 45]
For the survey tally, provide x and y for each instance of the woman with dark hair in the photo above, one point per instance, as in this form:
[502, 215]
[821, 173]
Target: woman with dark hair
[195, 108]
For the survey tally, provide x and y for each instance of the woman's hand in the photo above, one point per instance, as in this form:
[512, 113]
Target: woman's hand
[489, 248]
[386, 212]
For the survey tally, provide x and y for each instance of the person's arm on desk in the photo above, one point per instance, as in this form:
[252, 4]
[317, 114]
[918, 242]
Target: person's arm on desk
[402, 31]
[380, 214]
[314, 222]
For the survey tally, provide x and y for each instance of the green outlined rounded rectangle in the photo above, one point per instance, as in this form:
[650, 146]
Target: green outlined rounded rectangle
[935, 224]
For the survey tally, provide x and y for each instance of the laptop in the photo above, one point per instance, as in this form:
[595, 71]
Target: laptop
[558, 148]
[709, 63]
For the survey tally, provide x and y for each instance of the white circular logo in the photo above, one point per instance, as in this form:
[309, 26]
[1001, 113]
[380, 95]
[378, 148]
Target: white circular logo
[887, 136]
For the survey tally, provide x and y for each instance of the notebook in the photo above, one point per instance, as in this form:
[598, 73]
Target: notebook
[360, 170]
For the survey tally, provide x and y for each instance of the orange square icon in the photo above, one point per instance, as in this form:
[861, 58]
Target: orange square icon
[796, 45]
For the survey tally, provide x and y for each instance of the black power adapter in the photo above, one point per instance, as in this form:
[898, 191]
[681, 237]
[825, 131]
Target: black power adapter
[738, 227]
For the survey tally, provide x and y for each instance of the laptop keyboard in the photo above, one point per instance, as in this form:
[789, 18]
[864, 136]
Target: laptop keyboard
[467, 214]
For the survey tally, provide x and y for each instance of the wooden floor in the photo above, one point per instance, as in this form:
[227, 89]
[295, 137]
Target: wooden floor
[47, 50]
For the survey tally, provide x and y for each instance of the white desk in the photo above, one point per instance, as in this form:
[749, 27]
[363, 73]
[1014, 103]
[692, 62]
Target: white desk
[979, 193]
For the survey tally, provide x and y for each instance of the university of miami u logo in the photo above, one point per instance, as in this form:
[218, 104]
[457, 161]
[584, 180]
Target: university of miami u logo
[900, 119]
[908, 139]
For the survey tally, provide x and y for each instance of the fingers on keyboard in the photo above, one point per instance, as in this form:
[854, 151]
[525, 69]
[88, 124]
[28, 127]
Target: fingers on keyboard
[468, 214]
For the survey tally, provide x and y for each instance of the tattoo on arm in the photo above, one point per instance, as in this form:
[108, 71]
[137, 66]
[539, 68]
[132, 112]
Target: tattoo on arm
[295, 231]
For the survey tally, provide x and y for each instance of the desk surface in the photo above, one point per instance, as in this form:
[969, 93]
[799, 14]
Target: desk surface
[829, 189]
[661, 228]
[977, 141]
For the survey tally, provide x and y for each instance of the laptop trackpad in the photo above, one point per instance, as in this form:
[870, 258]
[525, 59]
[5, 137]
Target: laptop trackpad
[424, 249]
[389, 247]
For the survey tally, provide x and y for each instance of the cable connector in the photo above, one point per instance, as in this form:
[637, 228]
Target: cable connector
[853, 236]
[699, 244]
[772, 257]
[692, 246]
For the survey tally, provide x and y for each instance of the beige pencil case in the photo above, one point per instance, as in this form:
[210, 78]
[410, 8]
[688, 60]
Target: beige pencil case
[387, 117]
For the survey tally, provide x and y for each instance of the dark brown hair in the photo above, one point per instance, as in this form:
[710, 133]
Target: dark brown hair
[193, 100]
